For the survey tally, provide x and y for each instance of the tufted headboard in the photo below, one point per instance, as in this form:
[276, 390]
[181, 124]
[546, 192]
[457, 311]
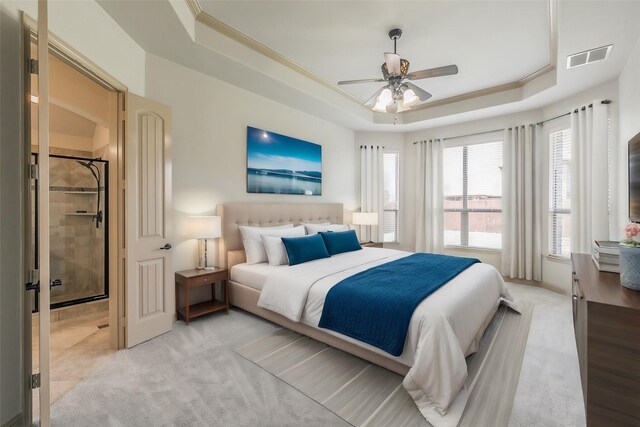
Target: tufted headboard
[265, 215]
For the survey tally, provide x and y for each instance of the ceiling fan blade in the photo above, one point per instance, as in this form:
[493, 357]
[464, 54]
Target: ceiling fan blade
[393, 63]
[374, 97]
[433, 72]
[350, 82]
[421, 93]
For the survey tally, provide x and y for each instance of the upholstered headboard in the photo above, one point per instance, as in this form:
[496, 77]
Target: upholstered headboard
[266, 215]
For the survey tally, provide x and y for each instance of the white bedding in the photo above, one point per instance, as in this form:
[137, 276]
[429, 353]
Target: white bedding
[253, 275]
[442, 328]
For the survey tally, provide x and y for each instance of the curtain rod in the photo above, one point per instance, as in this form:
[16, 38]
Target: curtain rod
[605, 102]
[469, 134]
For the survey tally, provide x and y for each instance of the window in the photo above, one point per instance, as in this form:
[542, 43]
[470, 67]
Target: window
[391, 196]
[560, 193]
[473, 195]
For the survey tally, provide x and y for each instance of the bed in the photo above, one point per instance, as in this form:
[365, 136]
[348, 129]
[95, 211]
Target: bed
[445, 328]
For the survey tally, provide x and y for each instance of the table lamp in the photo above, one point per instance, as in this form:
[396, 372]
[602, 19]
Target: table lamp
[203, 228]
[365, 218]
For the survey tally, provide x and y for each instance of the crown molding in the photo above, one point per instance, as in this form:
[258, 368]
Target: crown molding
[549, 68]
[195, 7]
[232, 33]
[215, 24]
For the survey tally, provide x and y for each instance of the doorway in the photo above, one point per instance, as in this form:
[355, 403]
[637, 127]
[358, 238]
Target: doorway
[84, 141]
[118, 208]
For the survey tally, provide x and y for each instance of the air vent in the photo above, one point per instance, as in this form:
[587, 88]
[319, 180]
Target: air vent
[589, 56]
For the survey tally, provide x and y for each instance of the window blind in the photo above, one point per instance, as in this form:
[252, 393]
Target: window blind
[391, 196]
[473, 195]
[560, 193]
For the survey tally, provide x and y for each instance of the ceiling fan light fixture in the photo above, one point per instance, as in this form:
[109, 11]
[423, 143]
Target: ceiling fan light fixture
[404, 66]
[400, 94]
[409, 98]
[385, 98]
[402, 106]
[380, 107]
[392, 60]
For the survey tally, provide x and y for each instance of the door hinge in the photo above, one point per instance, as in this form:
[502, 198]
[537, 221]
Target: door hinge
[33, 66]
[35, 381]
[34, 171]
[34, 276]
[123, 322]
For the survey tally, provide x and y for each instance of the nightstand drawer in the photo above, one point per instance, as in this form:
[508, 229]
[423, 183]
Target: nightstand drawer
[201, 279]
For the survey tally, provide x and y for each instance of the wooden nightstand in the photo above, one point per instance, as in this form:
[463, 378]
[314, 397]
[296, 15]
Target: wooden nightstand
[193, 278]
[371, 245]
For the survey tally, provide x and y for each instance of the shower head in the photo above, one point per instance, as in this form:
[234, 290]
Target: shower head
[88, 163]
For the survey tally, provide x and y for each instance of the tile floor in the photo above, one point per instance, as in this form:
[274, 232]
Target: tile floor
[77, 344]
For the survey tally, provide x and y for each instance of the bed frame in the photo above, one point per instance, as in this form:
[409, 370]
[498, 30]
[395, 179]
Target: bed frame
[244, 297]
[273, 214]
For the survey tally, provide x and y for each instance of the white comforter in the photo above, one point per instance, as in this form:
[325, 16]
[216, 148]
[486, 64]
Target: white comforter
[442, 328]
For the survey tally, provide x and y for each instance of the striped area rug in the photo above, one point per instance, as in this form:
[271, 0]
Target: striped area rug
[364, 394]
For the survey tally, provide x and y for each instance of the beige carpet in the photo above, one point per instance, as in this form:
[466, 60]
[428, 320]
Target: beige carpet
[364, 394]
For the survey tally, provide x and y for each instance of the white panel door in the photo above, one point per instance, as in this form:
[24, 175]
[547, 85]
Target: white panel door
[150, 293]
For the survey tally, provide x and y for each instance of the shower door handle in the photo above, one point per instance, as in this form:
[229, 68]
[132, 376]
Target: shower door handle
[166, 247]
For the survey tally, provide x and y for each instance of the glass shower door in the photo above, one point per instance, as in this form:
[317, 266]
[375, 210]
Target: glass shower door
[78, 229]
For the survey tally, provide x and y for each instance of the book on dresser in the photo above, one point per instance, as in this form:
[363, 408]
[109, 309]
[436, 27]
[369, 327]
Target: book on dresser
[606, 255]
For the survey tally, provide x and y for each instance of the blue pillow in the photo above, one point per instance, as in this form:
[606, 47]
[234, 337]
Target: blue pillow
[338, 242]
[305, 249]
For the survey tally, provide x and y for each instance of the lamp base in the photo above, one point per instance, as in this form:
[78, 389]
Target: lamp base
[202, 250]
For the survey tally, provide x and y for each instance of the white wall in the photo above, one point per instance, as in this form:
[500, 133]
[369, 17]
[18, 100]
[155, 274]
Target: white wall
[210, 120]
[629, 125]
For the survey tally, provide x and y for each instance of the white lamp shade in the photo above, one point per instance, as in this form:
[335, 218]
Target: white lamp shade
[380, 108]
[385, 98]
[205, 227]
[365, 218]
[410, 98]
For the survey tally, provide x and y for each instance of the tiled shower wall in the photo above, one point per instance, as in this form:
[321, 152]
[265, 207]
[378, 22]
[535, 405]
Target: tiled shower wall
[77, 246]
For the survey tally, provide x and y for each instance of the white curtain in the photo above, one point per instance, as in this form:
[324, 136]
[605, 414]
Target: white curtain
[372, 190]
[589, 177]
[521, 212]
[429, 197]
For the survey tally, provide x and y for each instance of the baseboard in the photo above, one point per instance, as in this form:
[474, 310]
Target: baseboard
[16, 421]
[555, 288]
[548, 286]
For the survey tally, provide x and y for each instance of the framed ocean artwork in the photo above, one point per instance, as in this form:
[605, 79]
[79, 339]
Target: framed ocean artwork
[279, 164]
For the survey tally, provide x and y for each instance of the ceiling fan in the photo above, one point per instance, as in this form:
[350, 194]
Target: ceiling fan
[400, 95]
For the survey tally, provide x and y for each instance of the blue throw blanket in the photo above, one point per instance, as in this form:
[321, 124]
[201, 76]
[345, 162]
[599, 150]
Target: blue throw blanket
[375, 306]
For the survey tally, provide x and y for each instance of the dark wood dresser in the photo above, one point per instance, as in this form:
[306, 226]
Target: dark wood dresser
[606, 318]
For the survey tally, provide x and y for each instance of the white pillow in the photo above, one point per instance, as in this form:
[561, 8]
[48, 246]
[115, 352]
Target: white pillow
[253, 247]
[276, 252]
[316, 228]
[315, 223]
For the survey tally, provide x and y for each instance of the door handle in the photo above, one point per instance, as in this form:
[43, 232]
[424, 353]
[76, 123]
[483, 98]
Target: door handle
[166, 247]
[31, 286]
